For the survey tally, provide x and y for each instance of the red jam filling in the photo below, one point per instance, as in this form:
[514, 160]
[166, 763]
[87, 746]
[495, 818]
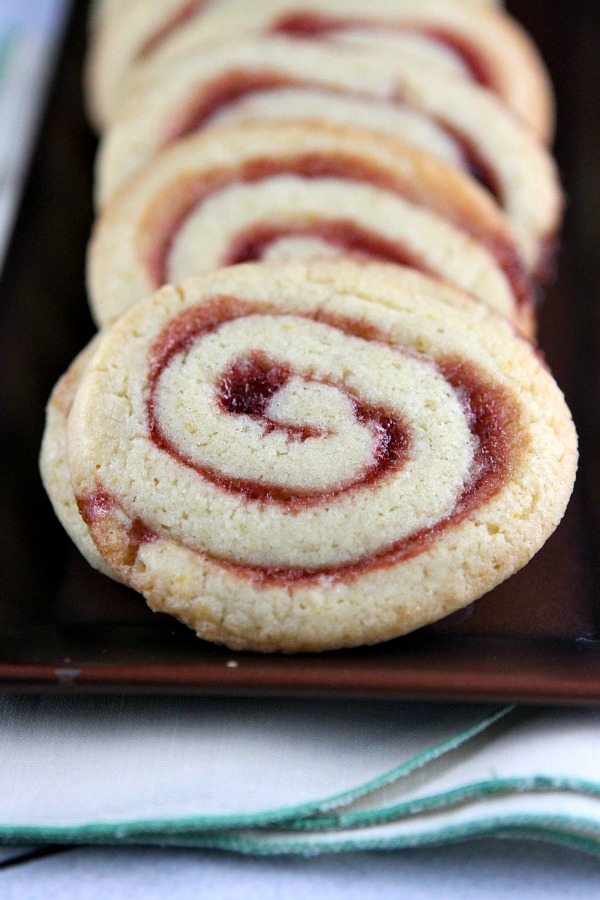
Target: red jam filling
[463, 48]
[189, 193]
[346, 236]
[222, 92]
[473, 161]
[139, 533]
[313, 25]
[186, 195]
[237, 84]
[492, 419]
[96, 506]
[247, 387]
[179, 17]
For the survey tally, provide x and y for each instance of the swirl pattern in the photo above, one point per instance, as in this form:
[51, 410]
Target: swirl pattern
[279, 78]
[457, 40]
[280, 190]
[261, 456]
[351, 443]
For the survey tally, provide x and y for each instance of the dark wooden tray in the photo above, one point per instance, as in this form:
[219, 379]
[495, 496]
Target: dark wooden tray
[63, 627]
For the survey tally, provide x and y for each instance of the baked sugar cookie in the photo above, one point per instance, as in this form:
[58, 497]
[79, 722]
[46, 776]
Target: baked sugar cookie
[124, 35]
[53, 460]
[281, 190]
[278, 77]
[308, 456]
[458, 40]
[102, 10]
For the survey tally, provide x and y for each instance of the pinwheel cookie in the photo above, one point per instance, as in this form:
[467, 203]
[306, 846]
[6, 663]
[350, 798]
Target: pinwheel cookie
[280, 190]
[456, 39]
[306, 456]
[275, 77]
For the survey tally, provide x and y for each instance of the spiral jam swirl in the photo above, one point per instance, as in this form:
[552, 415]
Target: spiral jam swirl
[314, 25]
[289, 435]
[238, 84]
[170, 26]
[319, 26]
[177, 208]
[246, 388]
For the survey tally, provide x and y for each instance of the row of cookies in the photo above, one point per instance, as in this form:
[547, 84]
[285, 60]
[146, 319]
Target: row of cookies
[304, 455]
[291, 103]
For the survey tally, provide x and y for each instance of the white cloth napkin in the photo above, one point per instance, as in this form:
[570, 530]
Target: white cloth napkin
[274, 776]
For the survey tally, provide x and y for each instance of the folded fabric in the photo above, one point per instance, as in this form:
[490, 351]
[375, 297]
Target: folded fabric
[273, 776]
